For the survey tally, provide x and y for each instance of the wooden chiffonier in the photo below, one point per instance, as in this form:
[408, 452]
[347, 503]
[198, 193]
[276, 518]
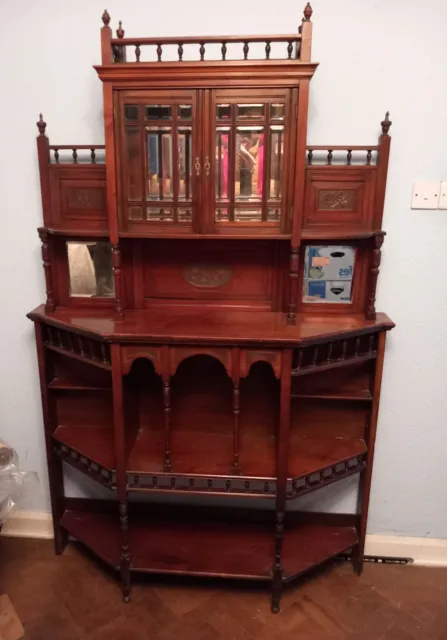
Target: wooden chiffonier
[210, 326]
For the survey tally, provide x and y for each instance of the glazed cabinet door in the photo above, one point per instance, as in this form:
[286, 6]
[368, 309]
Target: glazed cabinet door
[158, 161]
[250, 161]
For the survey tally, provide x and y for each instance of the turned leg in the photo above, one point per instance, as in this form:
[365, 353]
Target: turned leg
[278, 570]
[116, 266]
[236, 468]
[125, 553]
[366, 476]
[167, 412]
[281, 481]
[293, 283]
[55, 472]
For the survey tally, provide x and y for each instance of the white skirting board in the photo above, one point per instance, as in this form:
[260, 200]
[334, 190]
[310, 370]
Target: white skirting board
[423, 551]
[29, 524]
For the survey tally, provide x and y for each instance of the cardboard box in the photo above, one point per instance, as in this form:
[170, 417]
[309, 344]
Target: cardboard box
[329, 262]
[328, 273]
[327, 291]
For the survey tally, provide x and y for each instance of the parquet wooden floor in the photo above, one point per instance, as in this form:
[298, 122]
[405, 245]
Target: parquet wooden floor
[75, 598]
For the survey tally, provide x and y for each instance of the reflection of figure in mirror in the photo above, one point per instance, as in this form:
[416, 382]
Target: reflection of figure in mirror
[90, 269]
[222, 166]
[249, 165]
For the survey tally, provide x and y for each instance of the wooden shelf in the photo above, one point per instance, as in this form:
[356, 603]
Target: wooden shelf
[159, 325]
[211, 457]
[66, 384]
[232, 550]
[361, 395]
[327, 233]
[96, 444]
[309, 545]
[79, 357]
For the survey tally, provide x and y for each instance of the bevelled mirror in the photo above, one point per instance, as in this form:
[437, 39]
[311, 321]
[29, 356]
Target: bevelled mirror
[328, 274]
[90, 269]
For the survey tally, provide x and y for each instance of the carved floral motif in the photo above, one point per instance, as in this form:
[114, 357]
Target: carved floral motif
[335, 199]
[207, 275]
[88, 198]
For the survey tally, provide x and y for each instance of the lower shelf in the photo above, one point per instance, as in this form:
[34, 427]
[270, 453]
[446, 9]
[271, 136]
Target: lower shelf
[209, 548]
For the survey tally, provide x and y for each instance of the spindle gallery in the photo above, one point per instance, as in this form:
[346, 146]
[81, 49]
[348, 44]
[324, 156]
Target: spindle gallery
[210, 326]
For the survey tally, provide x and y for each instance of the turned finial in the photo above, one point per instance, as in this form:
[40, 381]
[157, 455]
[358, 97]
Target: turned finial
[120, 30]
[386, 124]
[41, 125]
[308, 12]
[106, 18]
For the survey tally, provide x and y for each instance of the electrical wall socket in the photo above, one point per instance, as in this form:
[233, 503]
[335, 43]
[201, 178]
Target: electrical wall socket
[426, 195]
[442, 204]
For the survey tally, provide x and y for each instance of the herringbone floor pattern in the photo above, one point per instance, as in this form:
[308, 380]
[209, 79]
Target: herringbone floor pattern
[74, 598]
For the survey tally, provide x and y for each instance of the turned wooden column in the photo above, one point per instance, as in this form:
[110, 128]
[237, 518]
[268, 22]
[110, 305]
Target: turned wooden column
[293, 284]
[370, 311]
[236, 376]
[116, 265]
[121, 475]
[167, 412]
[46, 261]
[281, 475]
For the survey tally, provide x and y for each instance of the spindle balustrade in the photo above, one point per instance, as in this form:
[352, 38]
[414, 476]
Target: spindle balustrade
[337, 155]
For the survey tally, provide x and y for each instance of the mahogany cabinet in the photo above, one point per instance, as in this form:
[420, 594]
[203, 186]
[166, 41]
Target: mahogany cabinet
[210, 326]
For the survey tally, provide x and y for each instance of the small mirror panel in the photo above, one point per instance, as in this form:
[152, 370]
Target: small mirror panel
[90, 269]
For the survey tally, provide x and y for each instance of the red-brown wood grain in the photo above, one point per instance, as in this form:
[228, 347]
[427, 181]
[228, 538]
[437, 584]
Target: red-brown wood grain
[206, 374]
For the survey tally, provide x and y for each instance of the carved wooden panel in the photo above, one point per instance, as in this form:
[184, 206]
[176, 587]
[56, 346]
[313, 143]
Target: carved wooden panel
[209, 276]
[178, 354]
[130, 353]
[220, 273]
[85, 198]
[336, 199]
[339, 196]
[78, 197]
[250, 356]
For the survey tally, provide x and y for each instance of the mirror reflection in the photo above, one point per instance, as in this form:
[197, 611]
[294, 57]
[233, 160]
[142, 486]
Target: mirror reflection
[222, 146]
[90, 269]
[255, 111]
[249, 163]
[275, 162]
[158, 112]
[184, 138]
[159, 163]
